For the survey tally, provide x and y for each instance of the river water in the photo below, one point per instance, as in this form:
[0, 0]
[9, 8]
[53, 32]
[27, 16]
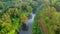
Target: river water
[29, 24]
[30, 21]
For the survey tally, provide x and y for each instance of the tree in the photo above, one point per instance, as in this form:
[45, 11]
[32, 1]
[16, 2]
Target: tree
[57, 6]
[24, 19]
[29, 8]
[6, 24]
[13, 12]
[34, 4]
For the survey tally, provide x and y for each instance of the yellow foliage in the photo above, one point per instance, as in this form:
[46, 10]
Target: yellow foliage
[12, 32]
[24, 18]
[6, 21]
[12, 10]
[8, 26]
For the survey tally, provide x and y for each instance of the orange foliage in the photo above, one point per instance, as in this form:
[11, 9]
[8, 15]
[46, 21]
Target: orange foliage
[24, 18]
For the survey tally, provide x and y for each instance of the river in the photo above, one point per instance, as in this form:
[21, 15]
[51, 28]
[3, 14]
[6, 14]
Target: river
[30, 21]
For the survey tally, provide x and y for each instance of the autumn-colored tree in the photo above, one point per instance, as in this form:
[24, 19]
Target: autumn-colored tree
[24, 18]
[6, 23]
[13, 12]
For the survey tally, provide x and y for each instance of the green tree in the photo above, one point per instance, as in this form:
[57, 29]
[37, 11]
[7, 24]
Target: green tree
[29, 8]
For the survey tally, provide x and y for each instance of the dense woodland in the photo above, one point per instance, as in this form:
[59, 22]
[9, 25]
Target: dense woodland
[13, 13]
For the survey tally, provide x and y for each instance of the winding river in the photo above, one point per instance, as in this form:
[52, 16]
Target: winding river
[30, 21]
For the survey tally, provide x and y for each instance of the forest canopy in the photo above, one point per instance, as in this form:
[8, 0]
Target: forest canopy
[13, 13]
